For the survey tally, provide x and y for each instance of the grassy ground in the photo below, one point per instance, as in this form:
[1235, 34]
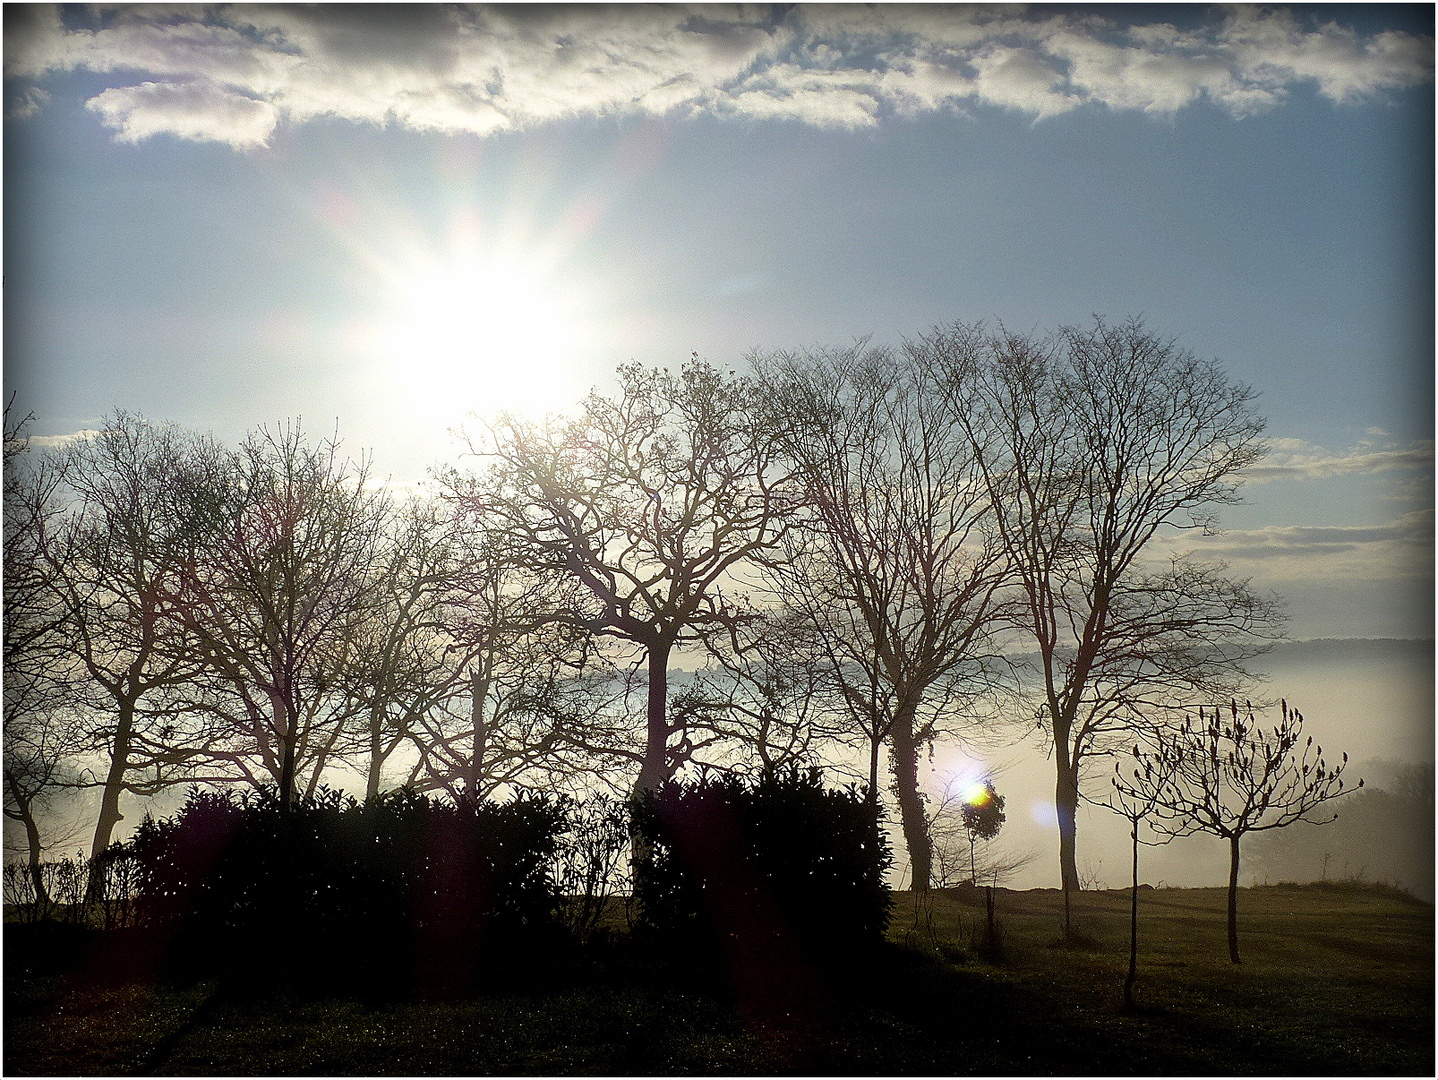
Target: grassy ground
[1334, 981]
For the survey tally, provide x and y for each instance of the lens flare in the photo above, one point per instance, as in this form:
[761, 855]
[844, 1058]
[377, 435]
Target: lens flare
[977, 795]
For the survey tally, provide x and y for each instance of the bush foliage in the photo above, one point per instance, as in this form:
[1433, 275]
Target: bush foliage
[402, 887]
[774, 862]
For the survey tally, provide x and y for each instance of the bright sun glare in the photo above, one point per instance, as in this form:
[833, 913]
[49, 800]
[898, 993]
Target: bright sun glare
[481, 336]
[976, 795]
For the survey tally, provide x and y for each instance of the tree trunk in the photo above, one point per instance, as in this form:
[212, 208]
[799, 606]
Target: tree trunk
[285, 731]
[1066, 808]
[1233, 899]
[905, 761]
[655, 769]
[288, 794]
[376, 756]
[1132, 927]
[110, 815]
[479, 733]
[36, 855]
[874, 745]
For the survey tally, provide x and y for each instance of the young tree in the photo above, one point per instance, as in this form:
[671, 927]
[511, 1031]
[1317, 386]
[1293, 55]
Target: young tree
[1137, 801]
[1091, 443]
[890, 558]
[1230, 778]
[653, 504]
[965, 821]
[982, 812]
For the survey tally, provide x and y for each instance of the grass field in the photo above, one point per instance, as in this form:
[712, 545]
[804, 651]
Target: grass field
[1334, 981]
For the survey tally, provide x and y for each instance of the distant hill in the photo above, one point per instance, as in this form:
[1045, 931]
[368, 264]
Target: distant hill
[1410, 653]
[1315, 650]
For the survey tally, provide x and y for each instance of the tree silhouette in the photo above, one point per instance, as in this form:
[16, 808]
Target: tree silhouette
[890, 557]
[459, 691]
[1136, 802]
[34, 609]
[764, 701]
[650, 506]
[1231, 777]
[1091, 442]
[276, 596]
[41, 735]
[982, 812]
[118, 562]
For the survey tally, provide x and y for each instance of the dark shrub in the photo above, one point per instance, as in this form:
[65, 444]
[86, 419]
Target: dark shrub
[592, 863]
[771, 866]
[402, 890]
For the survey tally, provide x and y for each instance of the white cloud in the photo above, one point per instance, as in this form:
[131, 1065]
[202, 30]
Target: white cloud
[1270, 45]
[1020, 79]
[62, 440]
[233, 73]
[199, 111]
[816, 96]
[1295, 459]
[1160, 75]
[833, 107]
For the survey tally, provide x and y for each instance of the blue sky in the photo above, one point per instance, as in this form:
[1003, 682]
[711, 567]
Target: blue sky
[382, 219]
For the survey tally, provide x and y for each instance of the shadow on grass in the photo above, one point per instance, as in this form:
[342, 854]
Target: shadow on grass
[83, 1002]
[616, 1006]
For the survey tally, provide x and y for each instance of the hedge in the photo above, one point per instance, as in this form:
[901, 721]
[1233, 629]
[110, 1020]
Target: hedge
[778, 862]
[402, 887]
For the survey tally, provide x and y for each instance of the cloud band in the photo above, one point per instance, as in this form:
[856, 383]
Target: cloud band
[234, 73]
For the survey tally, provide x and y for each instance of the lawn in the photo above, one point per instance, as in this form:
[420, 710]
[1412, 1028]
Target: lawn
[1333, 981]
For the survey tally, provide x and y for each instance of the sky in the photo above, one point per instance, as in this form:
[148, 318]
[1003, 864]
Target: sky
[383, 219]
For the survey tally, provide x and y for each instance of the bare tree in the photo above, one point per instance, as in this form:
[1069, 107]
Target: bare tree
[41, 738]
[1091, 443]
[1138, 801]
[406, 664]
[529, 704]
[654, 503]
[765, 700]
[1231, 777]
[453, 682]
[115, 563]
[33, 609]
[275, 598]
[891, 558]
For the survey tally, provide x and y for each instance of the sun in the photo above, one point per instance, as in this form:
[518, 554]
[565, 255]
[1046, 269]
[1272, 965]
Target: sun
[479, 334]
